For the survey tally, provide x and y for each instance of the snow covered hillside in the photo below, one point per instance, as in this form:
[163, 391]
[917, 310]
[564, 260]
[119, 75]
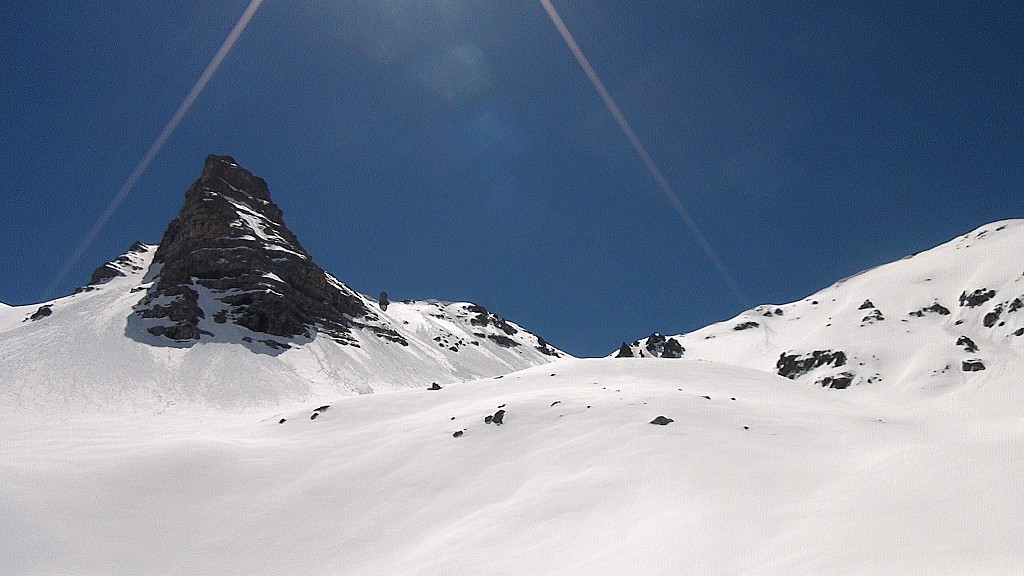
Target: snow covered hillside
[931, 321]
[755, 475]
[75, 355]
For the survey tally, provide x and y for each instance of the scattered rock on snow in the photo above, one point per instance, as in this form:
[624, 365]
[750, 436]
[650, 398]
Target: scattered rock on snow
[457, 433]
[661, 421]
[434, 386]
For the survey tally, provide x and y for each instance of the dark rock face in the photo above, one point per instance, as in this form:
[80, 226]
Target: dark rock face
[434, 386]
[976, 298]
[935, 308]
[42, 312]
[116, 267]
[624, 351]
[794, 365]
[485, 318]
[745, 326]
[875, 316]
[230, 245]
[973, 366]
[866, 305]
[840, 381]
[967, 343]
[657, 345]
[672, 349]
[544, 348]
[992, 317]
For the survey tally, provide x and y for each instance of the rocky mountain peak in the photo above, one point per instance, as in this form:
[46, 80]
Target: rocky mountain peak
[223, 175]
[228, 258]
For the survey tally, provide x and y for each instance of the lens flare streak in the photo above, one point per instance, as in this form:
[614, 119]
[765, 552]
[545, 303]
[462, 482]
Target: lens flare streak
[154, 149]
[641, 151]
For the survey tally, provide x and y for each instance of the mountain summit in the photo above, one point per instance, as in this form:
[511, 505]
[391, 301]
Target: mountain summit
[230, 310]
[229, 258]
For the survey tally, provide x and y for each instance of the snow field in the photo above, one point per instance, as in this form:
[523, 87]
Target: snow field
[822, 482]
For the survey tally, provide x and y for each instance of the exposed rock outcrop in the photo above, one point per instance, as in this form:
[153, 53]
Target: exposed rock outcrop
[228, 255]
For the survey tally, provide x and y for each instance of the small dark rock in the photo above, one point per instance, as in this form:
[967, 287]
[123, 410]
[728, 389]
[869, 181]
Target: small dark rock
[624, 351]
[973, 366]
[840, 381]
[498, 417]
[43, 312]
[314, 415]
[672, 349]
[967, 343]
[706, 397]
[488, 419]
[875, 316]
[322, 408]
[992, 317]
[745, 326]
[457, 434]
[1019, 332]
[556, 402]
[434, 386]
[976, 298]
[746, 427]
[661, 421]
[282, 420]
[866, 305]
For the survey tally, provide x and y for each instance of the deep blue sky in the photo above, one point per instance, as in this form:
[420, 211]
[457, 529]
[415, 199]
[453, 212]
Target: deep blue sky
[454, 149]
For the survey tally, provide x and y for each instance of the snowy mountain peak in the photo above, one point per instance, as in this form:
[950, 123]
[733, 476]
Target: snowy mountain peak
[228, 258]
[230, 311]
[931, 320]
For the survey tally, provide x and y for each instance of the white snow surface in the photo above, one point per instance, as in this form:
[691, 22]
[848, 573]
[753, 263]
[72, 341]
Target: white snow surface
[575, 481]
[913, 473]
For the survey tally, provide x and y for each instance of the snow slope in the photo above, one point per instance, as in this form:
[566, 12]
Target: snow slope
[88, 354]
[903, 327]
[757, 475]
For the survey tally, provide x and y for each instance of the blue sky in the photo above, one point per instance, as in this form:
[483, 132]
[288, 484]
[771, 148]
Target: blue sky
[454, 149]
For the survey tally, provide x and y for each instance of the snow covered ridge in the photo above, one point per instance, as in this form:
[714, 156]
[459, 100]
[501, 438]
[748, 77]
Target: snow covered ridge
[229, 310]
[931, 319]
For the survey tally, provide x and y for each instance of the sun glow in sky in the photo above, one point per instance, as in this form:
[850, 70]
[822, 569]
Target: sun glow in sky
[457, 150]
